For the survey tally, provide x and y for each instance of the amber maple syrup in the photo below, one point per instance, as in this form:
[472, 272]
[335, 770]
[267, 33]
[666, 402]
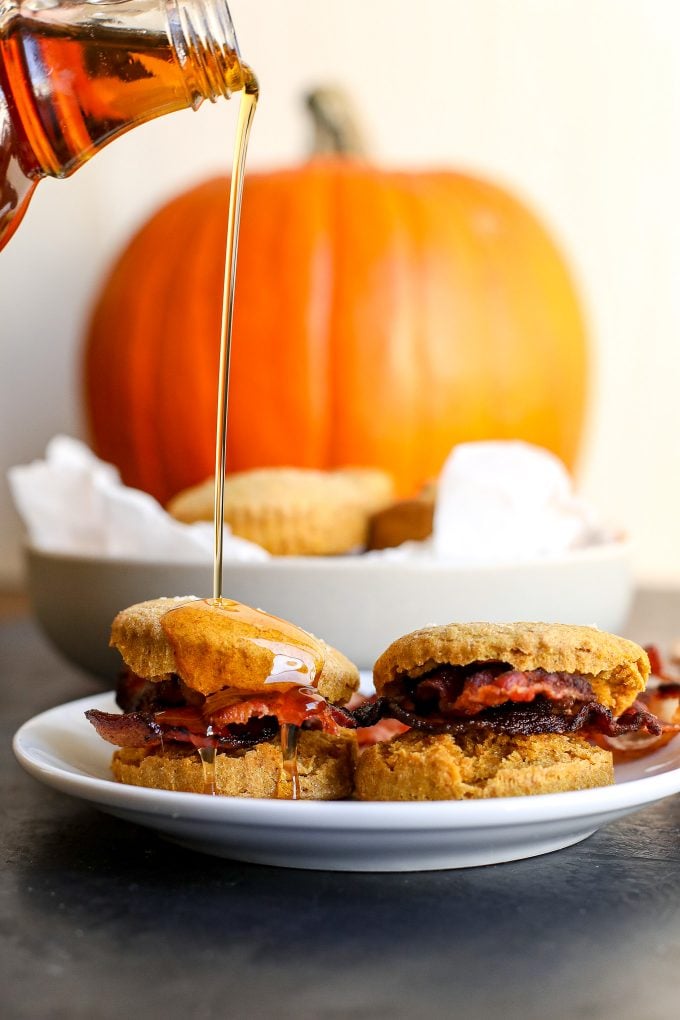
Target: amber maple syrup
[207, 756]
[74, 76]
[289, 747]
[289, 734]
[288, 661]
[246, 113]
[245, 119]
[203, 633]
[72, 80]
[295, 655]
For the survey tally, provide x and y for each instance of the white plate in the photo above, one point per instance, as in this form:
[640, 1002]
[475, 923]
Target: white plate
[60, 748]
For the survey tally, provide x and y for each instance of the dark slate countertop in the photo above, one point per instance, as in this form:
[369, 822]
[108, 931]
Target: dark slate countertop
[101, 919]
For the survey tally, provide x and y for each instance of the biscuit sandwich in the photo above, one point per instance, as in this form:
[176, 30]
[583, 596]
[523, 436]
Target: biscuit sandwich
[212, 680]
[501, 710]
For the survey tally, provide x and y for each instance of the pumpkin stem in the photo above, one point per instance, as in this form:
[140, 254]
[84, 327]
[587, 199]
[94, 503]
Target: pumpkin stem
[335, 123]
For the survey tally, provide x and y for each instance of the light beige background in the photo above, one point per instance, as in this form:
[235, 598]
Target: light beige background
[574, 104]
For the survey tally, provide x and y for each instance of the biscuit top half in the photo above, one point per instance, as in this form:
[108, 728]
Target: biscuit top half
[214, 644]
[616, 668]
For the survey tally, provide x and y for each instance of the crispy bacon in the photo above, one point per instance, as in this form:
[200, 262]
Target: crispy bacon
[297, 707]
[135, 694]
[184, 726]
[371, 711]
[459, 691]
[132, 729]
[159, 711]
[538, 716]
[662, 699]
[493, 697]
[383, 730]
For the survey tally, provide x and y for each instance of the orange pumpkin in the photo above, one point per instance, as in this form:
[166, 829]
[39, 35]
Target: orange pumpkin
[381, 317]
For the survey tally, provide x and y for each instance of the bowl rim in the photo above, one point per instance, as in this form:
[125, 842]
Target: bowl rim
[618, 548]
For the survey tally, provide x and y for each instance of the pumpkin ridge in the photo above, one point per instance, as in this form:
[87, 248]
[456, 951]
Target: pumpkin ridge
[340, 179]
[320, 329]
[191, 406]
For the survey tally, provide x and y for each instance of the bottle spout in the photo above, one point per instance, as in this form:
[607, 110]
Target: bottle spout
[204, 40]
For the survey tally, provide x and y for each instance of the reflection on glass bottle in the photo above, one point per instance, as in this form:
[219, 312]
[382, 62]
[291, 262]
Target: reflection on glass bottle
[75, 74]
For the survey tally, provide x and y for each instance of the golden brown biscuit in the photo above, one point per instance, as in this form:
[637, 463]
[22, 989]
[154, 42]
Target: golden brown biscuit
[234, 658]
[293, 511]
[137, 634]
[616, 668]
[408, 520]
[325, 768]
[197, 503]
[418, 766]
[375, 488]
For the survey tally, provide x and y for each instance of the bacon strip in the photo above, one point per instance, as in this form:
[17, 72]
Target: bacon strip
[539, 716]
[157, 711]
[383, 730]
[295, 707]
[492, 697]
[183, 726]
[135, 694]
[459, 692]
[133, 729]
[662, 699]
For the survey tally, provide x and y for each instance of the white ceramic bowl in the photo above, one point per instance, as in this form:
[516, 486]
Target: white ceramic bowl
[358, 604]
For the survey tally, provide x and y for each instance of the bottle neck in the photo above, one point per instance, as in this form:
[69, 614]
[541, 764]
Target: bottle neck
[203, 38]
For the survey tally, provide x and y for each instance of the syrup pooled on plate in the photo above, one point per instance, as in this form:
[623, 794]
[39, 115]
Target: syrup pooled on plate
[225, 648]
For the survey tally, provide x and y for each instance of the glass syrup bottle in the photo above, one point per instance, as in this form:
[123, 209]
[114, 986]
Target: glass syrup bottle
[76, 74]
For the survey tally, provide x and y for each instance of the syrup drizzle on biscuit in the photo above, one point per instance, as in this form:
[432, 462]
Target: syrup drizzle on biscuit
[210, 639]
[280, 670]
[207, 756]
[289, 749]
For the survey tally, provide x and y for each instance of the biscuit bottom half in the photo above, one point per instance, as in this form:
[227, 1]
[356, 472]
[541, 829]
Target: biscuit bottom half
[417, 766]
[325, 767]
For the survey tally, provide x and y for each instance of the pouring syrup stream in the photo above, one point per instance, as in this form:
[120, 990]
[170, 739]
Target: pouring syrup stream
[247, 107]
[248, 104]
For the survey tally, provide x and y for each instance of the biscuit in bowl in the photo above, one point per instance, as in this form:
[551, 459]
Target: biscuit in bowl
[407, 520]
[293, 511]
